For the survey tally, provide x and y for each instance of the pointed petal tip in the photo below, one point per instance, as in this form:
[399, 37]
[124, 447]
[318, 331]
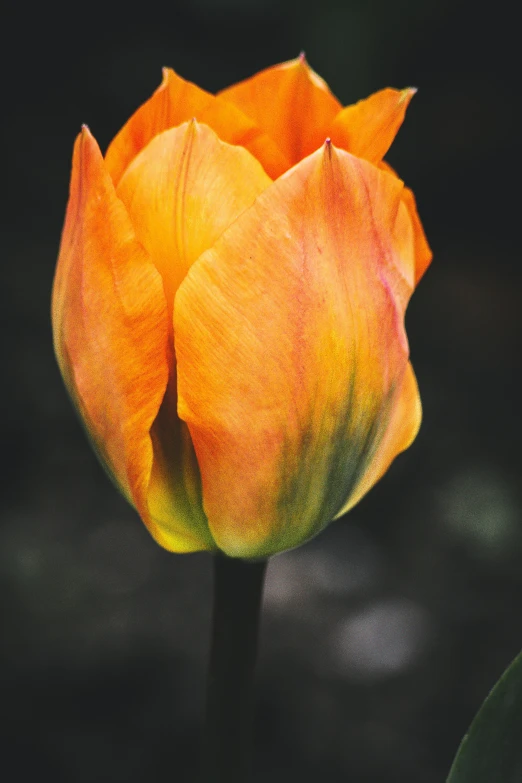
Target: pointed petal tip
[407, 94]
[85, 134]
[367, 128]
[327, 147]
[166, 75]
[86, 144]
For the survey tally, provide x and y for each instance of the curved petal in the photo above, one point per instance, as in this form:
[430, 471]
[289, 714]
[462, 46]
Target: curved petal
[176, 101]
[182, 191]
[423, 254]
[368, 128]
[291, 103]
[290, 348]
[110, 330]
[422, 251]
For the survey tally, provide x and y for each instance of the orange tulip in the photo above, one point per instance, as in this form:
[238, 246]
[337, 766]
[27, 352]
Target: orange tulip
[228, 307]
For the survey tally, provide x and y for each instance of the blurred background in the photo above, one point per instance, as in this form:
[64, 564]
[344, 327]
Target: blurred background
[381, 638]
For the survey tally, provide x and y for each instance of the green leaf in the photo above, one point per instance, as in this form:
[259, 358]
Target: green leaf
[491, 752]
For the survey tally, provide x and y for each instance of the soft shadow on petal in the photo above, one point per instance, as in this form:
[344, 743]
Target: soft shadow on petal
[177, 101]
[291, 103]
[291, 347]
[110, 326]
[174, 495]
[368, 128]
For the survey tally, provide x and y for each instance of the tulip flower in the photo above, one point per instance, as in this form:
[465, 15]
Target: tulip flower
[228, 307]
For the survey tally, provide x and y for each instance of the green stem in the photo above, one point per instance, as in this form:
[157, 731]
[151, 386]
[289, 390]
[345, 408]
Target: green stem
[238, 588]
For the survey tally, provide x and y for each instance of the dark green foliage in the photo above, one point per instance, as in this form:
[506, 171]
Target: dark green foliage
[491, 752]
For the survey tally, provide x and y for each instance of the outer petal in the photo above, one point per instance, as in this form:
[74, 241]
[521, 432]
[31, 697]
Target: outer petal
[176, 101]
[110, 330]
[291, 352]
[368, 128]
[291, 103]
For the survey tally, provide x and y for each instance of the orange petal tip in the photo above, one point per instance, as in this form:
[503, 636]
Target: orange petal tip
[406, 95]
[408, 92]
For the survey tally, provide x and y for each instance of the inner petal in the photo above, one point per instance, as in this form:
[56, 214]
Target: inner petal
[176, 101]
[291, 103]
[182, 191]
[368, 128]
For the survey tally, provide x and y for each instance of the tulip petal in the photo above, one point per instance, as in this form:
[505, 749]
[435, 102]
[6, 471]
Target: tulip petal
[177, 101]
[423, 254]
[422, 251]
[174, 494]
[182, 191]
[403, 426]
[110, 326]
[291, 352]
[368, 128]
[291, 103]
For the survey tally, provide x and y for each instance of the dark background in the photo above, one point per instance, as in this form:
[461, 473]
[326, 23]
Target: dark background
[380, 638]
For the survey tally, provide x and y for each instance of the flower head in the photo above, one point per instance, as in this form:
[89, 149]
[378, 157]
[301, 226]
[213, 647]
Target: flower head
[228, 307]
